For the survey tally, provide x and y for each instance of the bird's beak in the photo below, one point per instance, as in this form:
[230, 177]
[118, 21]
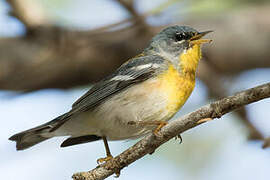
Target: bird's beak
[196, 39]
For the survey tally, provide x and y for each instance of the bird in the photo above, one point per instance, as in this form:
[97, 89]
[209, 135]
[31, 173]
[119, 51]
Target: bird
[138, 98]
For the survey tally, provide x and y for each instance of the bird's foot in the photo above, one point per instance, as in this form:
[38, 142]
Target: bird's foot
[160, 124]
[110, 163]
[104, 160]
[117, 173]
[179, 137]
[204, 120]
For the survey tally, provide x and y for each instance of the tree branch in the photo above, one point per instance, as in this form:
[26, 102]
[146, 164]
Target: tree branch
[29, 12]
[152, 142]
[138, 19]
[217, 89]
[76, 58]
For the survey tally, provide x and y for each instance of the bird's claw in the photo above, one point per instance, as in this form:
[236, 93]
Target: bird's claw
[117, 174]
[109, 164]
[104, 160]
[179, 137]
[204, 120]
[160, 125]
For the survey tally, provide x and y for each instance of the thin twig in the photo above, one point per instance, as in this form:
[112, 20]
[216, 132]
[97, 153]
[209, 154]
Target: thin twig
[152, 142]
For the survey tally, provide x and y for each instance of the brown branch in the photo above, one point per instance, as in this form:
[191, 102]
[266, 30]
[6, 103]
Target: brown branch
[138, 19]
[63, 58]
[58, 58]
[152, 142]
[133, 19]
[129, 5]
[29, 12]
[237, 47]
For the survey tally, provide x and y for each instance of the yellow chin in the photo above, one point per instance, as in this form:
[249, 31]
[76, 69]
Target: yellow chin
[189, 60]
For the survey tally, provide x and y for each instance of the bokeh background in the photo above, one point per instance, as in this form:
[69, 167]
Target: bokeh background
[52, 51]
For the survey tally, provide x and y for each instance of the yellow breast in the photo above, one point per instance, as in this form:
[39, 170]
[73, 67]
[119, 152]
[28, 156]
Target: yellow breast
[179, 85]
[177, 88]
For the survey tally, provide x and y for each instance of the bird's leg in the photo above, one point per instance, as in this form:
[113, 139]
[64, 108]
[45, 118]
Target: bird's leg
[108, 152]
[159, 124]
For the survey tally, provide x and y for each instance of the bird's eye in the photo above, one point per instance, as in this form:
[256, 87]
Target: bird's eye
[179, 36]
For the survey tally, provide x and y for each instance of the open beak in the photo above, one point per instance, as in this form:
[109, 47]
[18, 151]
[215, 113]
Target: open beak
[196, 39]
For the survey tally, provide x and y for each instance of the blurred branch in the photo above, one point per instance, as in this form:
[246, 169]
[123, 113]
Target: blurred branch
[52, 57]
[129, 5]
[266, 143]
[29, 12]
[58, 58]
[137, 18]
[191, 120]
[240, 38]
[155, 11]
[254, 132]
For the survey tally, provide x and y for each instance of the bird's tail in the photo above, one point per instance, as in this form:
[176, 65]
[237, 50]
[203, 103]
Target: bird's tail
[35, 135]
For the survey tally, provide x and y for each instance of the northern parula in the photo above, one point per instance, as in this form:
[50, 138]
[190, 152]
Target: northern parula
[139, 97]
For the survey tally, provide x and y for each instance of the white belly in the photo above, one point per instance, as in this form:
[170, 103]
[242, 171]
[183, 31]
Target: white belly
[111, 119]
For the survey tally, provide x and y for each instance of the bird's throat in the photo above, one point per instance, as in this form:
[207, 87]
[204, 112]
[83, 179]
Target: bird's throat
[188, 61]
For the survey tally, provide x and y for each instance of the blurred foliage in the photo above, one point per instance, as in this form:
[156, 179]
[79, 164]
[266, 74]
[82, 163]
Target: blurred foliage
[207, 7]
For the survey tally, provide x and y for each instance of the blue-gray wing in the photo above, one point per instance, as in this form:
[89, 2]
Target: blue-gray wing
[134, 71]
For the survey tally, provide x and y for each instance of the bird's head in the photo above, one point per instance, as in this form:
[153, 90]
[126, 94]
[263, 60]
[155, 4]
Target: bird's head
[175, 41]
